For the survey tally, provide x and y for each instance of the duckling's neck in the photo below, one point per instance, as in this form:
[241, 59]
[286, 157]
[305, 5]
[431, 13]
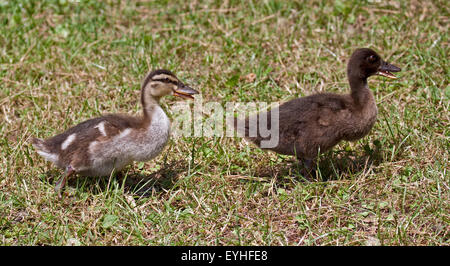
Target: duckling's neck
[149, 104]
[360, 91]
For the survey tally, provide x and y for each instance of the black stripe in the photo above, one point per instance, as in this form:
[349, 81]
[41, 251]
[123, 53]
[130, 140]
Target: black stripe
[149, 76]
[166, 80]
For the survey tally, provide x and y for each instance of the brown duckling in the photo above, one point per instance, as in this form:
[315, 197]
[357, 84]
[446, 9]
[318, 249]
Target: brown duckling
[318, 122]
[100, 145]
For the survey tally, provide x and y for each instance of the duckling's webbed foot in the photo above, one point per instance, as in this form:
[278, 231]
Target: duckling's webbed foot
[62, 182]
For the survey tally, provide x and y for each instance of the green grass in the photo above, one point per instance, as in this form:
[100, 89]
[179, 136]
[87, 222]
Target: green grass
[62, 62]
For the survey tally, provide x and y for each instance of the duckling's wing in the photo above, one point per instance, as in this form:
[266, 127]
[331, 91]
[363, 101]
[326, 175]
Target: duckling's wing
[314, 108]
[81, 135]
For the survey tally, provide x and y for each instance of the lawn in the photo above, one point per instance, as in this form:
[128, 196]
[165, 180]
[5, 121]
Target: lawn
[62, 62]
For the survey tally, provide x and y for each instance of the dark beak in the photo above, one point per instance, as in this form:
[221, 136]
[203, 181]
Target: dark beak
[184, 91]
[385, 70]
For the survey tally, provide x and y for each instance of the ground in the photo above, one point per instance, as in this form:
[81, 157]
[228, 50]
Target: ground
[62, 62]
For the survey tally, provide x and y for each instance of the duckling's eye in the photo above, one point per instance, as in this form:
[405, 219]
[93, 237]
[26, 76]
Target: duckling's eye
[372, 58]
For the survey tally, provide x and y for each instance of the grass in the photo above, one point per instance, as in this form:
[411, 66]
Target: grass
[62, 62]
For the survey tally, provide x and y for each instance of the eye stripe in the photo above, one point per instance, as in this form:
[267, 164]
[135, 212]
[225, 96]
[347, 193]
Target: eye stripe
[166, 80]
[160, 76]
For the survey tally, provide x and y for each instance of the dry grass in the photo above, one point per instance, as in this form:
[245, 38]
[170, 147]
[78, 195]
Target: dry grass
[64, 62]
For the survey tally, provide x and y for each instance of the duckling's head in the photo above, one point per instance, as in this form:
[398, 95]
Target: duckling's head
[365, 62]
[161, 82]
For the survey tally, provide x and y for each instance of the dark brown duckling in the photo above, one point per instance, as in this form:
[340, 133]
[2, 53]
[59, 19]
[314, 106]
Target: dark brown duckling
[100, 145]
[318, 122]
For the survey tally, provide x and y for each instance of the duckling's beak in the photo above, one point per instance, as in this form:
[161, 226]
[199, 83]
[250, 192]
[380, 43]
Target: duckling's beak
[385, 70]
[184, 91]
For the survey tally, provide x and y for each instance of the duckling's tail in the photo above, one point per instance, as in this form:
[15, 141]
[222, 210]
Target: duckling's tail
[39, 144]
[43, 150]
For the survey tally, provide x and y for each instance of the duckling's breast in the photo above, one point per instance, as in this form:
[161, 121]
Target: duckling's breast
[152, 140]
[362, 122]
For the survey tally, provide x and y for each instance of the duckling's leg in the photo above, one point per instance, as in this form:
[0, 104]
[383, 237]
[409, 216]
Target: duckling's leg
[309, 164]
[62, 182]
[307, 168]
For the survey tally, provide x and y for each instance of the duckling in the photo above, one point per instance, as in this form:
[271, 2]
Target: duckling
[100, 145]
[318, 122]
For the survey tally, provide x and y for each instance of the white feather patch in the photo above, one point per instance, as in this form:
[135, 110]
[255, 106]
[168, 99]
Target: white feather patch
[49, 156]
[92, 147]
[68, 141]
[124, 133]
[101, 128]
